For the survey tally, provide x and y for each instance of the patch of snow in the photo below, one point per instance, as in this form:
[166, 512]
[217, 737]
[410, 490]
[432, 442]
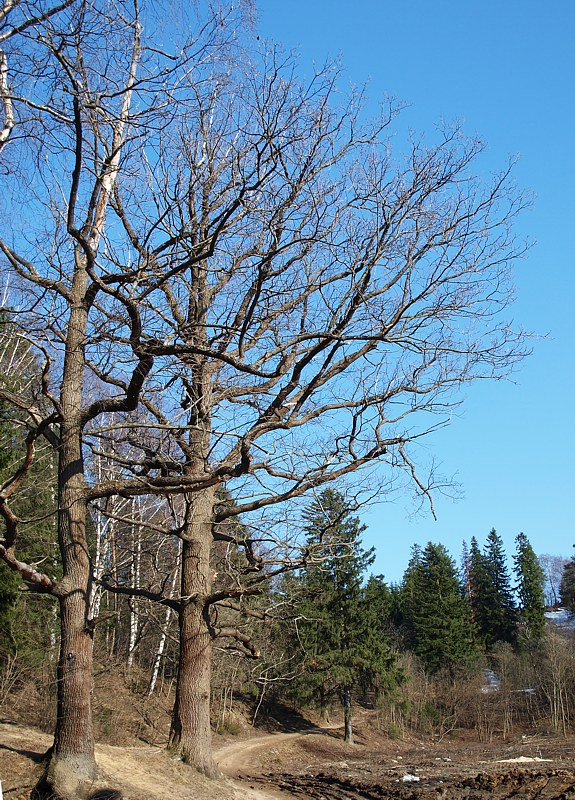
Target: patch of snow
[561, 618]
[492, 682]
[409, 778]
[521, 760]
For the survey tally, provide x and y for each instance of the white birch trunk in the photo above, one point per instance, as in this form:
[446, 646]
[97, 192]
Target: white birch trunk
[163, 637]
[135, 579]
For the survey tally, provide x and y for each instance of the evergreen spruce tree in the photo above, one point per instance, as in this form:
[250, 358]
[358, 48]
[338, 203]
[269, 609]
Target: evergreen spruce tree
[466, 570]
[504, 611]
[530, 591]
[491, 596]
[567, 586]
[377, 604]
[438, 617]
[403, 599]
[479, 592]
[338, 622]
[26, 618]
[378, 594]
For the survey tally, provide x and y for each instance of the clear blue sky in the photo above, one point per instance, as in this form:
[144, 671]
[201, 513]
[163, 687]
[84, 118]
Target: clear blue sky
[506, 71]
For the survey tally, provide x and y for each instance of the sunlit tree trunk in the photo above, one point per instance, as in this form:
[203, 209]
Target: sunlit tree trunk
[348, 731]
[190, 735]
[72, 762]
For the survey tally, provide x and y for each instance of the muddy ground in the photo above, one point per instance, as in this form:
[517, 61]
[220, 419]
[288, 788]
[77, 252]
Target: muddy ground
[315, 763]
[320, 766]
[542, 769]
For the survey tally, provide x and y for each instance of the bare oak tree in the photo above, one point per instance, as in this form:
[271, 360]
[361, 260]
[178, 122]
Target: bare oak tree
[79, 87]
[311, 307]
[232, 263]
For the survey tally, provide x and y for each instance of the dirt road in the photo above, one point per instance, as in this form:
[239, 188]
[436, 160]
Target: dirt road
[239, 757]
[318, 765]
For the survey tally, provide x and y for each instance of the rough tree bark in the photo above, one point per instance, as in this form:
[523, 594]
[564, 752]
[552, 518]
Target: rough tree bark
[72, 767]
[190, 734]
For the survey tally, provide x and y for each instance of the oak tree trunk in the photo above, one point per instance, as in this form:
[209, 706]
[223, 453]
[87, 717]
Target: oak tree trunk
[190, 735]
[72, 769]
